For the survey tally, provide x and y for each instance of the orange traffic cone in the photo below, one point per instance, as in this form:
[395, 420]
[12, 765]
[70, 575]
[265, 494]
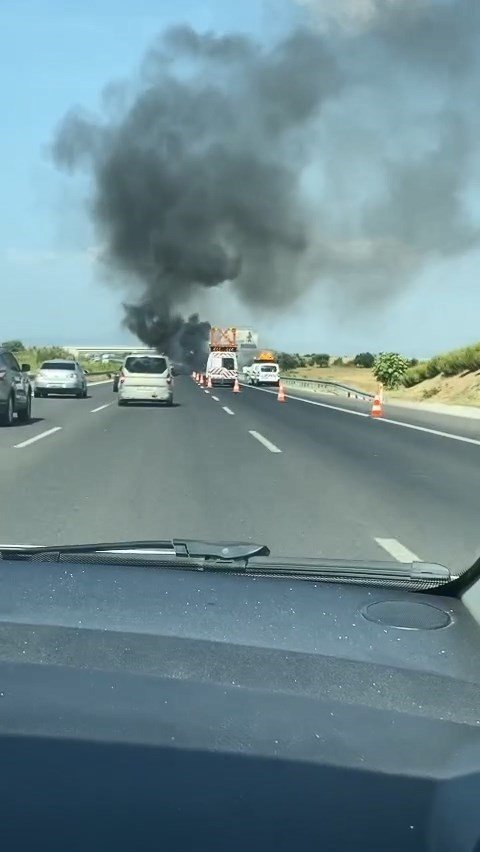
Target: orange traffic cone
[236, 386]
[193, 375]
[201, 379]
[209, 383]
[281, 393]
[377, 409]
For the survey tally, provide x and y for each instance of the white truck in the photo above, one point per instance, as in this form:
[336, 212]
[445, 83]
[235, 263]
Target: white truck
[222, 363]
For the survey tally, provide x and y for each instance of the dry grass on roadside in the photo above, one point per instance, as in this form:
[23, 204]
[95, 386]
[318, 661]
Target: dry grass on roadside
[356, 377]
[456, 390]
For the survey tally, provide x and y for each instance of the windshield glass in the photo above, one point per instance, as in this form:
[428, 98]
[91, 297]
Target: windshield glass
[150, 365]
[188, 205]
[58, 365]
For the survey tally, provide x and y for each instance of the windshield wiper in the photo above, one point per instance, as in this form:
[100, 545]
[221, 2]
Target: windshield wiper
[194, 549]
[235, 556]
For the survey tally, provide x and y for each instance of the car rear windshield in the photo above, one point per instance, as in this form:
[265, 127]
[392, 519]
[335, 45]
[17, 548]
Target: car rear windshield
[228, 363]
[58, 365]
[146, 364]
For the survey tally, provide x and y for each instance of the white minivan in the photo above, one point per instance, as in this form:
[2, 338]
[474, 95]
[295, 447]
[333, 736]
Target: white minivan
[145, 378]
[222, 368]
[264, 373]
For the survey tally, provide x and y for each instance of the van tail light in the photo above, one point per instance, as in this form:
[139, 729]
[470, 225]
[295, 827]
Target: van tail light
[3, 373]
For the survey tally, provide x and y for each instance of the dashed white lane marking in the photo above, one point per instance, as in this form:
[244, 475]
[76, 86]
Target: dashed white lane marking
[397, 550]
[207, 391]
[37, 437]
[266, 443]
[216, 398]
[427, 429]
[227, 410]
[100, 407]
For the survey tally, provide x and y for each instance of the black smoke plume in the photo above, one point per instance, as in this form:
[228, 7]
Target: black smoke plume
[342, 159]
[186, 341]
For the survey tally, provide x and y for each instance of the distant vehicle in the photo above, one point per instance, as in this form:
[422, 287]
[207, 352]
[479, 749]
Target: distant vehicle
[15, 389]
[263, 371]
[60, 376]
[116, 379]
[145, 378]
[222, 362]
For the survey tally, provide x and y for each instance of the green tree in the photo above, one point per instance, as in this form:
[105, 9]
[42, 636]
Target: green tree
[287, 361]
[364, 359]
[321, 359]
[389, 368]
[13, 345]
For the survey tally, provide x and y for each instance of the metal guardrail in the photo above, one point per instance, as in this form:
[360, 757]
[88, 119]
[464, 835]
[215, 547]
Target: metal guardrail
[315, 386]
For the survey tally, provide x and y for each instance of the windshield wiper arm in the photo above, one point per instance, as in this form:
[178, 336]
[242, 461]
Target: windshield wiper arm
[222, 552]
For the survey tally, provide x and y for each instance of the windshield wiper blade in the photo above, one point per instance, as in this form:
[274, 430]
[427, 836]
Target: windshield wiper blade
[352, 569]
[218, 551]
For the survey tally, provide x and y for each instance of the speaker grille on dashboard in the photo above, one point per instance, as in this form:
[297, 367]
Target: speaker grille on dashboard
[407, 615]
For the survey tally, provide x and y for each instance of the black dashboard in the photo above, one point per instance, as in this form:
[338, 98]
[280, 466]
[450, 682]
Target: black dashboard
[157, 709]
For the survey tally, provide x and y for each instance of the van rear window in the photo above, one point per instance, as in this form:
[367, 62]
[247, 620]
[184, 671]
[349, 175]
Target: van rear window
[146, 364]
[271, 369]
[228, 363]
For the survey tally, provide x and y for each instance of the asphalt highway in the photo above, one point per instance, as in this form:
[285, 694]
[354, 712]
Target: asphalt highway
[308, 477]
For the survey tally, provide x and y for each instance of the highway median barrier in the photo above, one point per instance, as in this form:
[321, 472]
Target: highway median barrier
[315, 386]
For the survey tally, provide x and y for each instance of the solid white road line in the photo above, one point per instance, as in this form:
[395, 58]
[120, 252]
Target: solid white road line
[100, 407]
[312, 402]
[216, 398]
[413, 426]
[397, 550]
[266, 443]
[37, 437]
[431, 431]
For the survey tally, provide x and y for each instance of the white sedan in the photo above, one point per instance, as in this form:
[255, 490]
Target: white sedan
[60, 376]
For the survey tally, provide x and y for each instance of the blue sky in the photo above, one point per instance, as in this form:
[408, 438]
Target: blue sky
[55, 55]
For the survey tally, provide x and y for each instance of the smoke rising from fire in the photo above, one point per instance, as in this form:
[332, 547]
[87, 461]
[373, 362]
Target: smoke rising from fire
[344, 160]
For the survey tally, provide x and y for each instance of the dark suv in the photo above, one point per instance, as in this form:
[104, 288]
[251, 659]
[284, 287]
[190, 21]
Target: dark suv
[15, 389]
